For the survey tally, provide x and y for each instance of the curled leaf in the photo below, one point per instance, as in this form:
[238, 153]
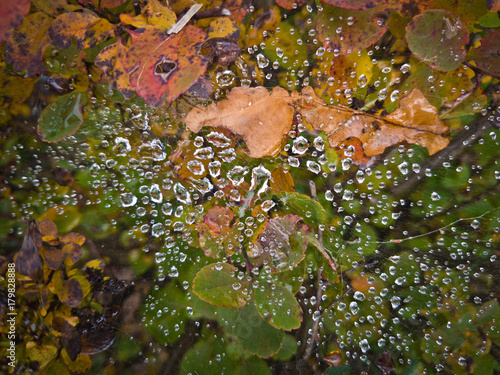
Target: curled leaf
[27, 259]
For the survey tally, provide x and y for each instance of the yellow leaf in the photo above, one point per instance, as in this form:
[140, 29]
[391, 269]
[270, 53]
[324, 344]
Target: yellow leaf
[159, 15]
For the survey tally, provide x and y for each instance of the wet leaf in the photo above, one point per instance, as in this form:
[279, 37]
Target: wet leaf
[26, 46]
[62, 118]
[53, 257]
[11, 16]
[70, 337]
[291, 4]
[27, 259]
[415, 122]
[260, 117]
[310, 211]
[365, 4]
[278, 306]
[217, 234]
[221, 50]
[253, 333]
[223, 27]
[87, 29]
[281, 181]
[217, 285]
[487, 55]
[340, 29]
[282, 243]
[385, 363]
[73, 253]
[158, 63]
[474, 103]
[436, 37]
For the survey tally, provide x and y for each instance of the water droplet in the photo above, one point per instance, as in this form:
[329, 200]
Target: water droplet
[214, 168]
[204, 153]
[182, 194]
[313, 166]
[435, 196]
[319, 143]
[218, 140]
[122, 146]
[382, 94]
[359, 296]
[157, 229]
[260, 179]
[128, 199]
[155, 193]
[362, 80]
[262, 61]
[225, 78]
[196, 167]
[300, 145]
[237, 175]
[353, 306]
[394, 95]
[173, 272]
[267, 205]
[405, 68]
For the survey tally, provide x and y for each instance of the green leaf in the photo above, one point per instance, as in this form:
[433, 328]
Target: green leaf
[216, 284]
[165, 313]
[252, 332]
[311, 211]
[278, 306]
[62, 118]
[436, 37]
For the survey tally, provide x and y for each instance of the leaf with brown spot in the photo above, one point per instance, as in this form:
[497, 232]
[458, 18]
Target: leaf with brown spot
[158, 63]
[69, 291]
[26, 45]
[11, 16]
[260, 117]
[415, 122]
[359, 29]
[112, 60]
[223, 27]
[53, 257]
[87, 29]
[159, 15]
[51, 6]
[73, 253]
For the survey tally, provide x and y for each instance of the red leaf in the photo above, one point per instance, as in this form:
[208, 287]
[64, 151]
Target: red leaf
[159, 63]
[11, 16]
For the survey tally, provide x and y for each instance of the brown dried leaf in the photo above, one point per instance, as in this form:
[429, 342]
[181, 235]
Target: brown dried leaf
[260, 117]
[49, 230]
[27, 259]
[415, 122]
[263, 118]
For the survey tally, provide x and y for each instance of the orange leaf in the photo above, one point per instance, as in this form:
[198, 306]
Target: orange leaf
[260, 117]
[158, 63]
[26, 45]
[49, 230]
[112, 61]
[87, 29]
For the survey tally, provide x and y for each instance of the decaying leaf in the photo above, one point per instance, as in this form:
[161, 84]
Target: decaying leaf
[11, 16]
[155, 64]
[87, 29]
[260, 117]
[26, 45]
[27, 259]
[487, 56]
[415, 122]
[263, 118]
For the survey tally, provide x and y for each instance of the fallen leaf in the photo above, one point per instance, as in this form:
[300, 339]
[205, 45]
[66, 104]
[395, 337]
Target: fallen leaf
[415, 122]
[62, 176]
[263, 118]
[158, 63]
[217, 233]
[436, 37]
[27, 259]
[291, 4]
[380, 5]
[112, 61]
[109, 4]
[11, 16]
[159, 15]
[359, 29]
[87, 29]
[260, 117]
[223, 27]
[26, 45]
[222, 51]
[487, 55]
